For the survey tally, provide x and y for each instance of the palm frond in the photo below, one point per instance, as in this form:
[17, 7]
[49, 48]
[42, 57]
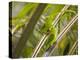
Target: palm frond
[64, 31]
[43, 29]
[72, 50]
[42, 41]
[28, 30]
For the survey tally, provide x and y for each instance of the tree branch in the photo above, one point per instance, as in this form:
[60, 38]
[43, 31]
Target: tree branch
[28, 30]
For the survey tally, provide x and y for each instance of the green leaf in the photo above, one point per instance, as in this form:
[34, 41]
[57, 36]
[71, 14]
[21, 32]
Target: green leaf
[50, 18]
[27, 52]
[25, 10]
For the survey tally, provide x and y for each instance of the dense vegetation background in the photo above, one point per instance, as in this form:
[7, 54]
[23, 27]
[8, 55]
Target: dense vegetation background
[40, 30]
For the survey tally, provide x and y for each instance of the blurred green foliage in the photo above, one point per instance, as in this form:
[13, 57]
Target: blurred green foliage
[50, 12]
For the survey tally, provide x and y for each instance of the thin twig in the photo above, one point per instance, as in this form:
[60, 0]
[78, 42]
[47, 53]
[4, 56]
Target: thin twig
[42, 41]
[73, 48]
[60, 14]
[64, 31]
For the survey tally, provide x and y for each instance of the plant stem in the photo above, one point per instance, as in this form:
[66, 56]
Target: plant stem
[28, 31]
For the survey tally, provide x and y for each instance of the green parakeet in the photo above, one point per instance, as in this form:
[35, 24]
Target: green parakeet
[48, 28]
